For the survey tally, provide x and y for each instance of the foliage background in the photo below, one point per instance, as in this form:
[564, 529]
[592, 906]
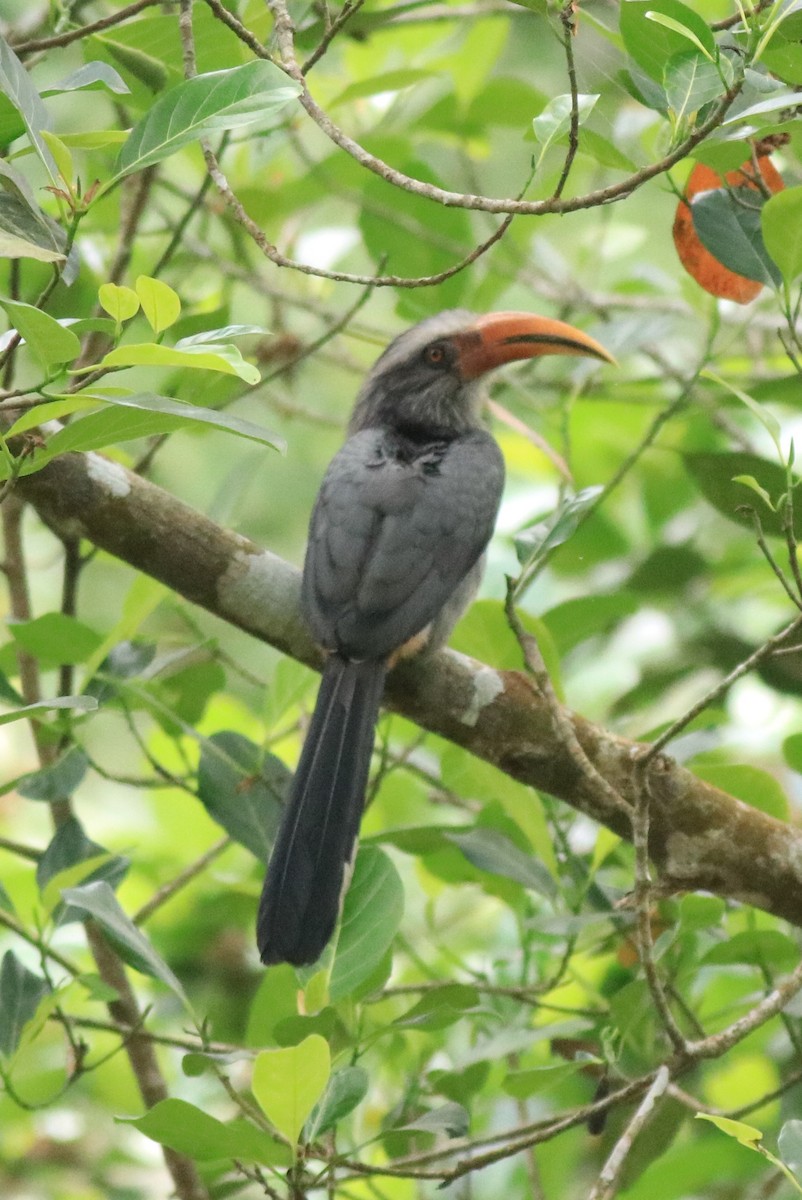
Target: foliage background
[468, 1035]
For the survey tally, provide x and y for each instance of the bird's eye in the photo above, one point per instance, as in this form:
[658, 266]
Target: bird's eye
[435, 355]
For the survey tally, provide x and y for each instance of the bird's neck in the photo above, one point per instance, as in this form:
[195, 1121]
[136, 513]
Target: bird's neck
[421, 433]
[423, 419]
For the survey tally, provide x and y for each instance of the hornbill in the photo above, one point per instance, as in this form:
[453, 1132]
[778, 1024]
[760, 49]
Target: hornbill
[395, 553]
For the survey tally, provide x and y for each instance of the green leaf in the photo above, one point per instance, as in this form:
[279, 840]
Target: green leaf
[752, 785]
[61, 156]
[20, 993]
[15, 82]
[72, 858]
[792, 751]
[372, 912]
[50, 342]
[450, 1119]
[651, 43]
[275, 1000]
[144, 413]
[94, 75]
[715, 476]
[8, 694]
[670, 23]
[25, 231]
[764, 948]
[241, 788]
[574, 621]
[160, 304]
[94, 139]
[388, 81]
[728, 225]
[106, 427]
[766, 418]
[781, 219]
[77, 703]
[98, 900]
[534, 1080]
[214, 101]
[789, 1144]
[785, 99]
[72, 876]
[753, 485]
[534, 542]
[784, 59]
[57, 781]
[440, 1008]
[345, 1090]
[700, 912]
[146, 68]
[220, 335]
[690, 82]
[189, 1130]
[555, 119]
[121, 303]
[605, 152]
[226, 359]
[287, 1083]
[55, 639]
[492, 851]
[6, 903]
[747, 1135]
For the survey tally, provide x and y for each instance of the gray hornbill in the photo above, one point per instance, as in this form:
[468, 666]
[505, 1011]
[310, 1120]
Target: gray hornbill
[396, 550]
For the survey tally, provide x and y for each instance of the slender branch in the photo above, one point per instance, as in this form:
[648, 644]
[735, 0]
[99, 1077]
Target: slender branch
[765, 550]
[17, 848]
[195, 1043]
[348, 10]
[606, 1185]
[562, 723]
[643, 906]
[142, 1056]
[180, 881]
[569, 31]
[32, 45]
[284, 37]
[719, 1043]
[237, 209]
[45, 951]
[639, 817]
[734, 850]
[748, 664]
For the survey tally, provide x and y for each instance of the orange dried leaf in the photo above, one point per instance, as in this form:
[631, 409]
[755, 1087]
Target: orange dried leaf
[708, 272]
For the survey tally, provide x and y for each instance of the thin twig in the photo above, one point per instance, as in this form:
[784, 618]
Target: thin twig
[174, 886]
[348, 10]
[758, 656]
[45, 951]
[607, 1184]
[569, 30]
[794, 597]
[562, 721]
[643, 899]
[75, 35]
[719, 1043]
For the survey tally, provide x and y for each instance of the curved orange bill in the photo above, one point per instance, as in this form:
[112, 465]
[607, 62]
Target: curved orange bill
[507, 336]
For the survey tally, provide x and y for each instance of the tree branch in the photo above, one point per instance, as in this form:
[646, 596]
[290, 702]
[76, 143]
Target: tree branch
[699, 837]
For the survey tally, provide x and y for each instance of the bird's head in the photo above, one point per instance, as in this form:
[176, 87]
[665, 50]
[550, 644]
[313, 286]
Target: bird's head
[430, 376]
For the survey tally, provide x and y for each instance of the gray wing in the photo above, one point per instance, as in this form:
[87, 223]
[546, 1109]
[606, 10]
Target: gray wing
[391, 540]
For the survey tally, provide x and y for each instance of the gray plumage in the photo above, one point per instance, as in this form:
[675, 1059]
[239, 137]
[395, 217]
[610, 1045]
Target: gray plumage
[396, 543]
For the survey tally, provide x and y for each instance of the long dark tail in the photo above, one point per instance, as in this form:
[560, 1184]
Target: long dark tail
[301, 897]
